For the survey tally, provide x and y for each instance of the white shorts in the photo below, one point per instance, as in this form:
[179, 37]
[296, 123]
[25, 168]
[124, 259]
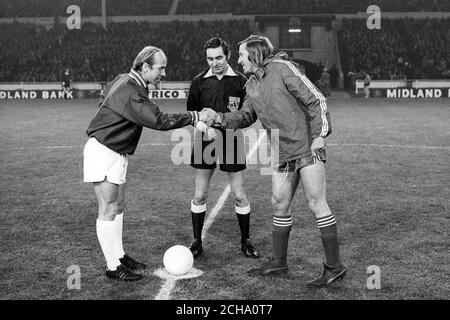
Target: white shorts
[100, 162]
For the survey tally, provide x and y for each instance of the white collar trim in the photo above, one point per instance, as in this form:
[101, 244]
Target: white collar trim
[137, 77]
[230, 72]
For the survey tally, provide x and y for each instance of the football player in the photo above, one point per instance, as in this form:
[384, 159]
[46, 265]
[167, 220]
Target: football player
[114, 133]
[299, 112]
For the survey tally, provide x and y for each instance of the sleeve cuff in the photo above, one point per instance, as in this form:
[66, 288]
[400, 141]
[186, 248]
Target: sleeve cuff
[195, 117]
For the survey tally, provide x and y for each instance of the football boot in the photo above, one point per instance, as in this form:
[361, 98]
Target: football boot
[329, 275]
[196, 248]
[272, 266]
[248, 249]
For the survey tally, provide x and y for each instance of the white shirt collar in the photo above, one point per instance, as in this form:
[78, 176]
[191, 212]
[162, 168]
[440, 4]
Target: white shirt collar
[230, 72]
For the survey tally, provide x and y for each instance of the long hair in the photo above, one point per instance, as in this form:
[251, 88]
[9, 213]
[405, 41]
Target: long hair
[258, 48]
[146, 55]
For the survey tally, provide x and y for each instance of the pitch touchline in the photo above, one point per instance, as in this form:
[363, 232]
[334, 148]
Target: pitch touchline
[385, 146]
[161, 144]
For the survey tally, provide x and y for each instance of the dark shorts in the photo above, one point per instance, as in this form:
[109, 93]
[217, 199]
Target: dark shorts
[298, 164]
[227, 151]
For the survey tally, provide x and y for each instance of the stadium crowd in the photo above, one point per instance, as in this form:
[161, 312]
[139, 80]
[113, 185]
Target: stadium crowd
[31, 53]
[306, 6]
[52, 8]
[401, 49]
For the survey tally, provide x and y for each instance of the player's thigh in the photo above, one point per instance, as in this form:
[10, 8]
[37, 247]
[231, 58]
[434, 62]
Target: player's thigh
[284, 185]
[314, 183]
[202, 178]
[236, 180]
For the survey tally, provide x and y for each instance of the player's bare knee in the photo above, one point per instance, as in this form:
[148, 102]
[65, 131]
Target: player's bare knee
[200, 198]
[317, 205]
[110, 211]
[279, 204]
[120, 206]
[240, 198]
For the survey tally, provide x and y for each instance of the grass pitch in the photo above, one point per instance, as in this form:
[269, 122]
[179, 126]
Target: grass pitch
[388, 185]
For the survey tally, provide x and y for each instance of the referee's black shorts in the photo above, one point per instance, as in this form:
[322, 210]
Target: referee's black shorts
[228, 150]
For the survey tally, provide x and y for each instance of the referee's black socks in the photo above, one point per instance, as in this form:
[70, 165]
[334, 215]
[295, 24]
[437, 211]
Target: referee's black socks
[198, 216]
[243, 216]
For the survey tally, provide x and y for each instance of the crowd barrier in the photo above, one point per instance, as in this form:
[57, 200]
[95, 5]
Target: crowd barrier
[395, 89]
[406, 89]
[83, 90]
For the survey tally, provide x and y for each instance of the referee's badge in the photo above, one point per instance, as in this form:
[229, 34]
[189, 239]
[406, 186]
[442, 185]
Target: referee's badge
[233, 103]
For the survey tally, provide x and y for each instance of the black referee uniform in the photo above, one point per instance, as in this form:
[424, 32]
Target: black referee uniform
[224, 95]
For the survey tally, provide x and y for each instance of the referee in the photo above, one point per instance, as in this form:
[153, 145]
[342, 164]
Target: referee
[221, 88]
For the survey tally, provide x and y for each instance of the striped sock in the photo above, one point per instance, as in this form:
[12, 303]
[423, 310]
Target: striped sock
[330, 241]
[280, 223]
[280, 236]
[243, 216]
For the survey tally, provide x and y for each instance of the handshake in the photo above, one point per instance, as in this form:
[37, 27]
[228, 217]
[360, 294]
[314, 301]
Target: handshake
[208, 117]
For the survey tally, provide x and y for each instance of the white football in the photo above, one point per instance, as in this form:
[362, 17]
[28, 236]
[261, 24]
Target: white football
[178, 260]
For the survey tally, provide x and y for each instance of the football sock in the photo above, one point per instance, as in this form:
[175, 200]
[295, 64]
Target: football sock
[198, 216]
[243, 216]
[280, 236]
[328, 233]
[118, 240]
[106, 234]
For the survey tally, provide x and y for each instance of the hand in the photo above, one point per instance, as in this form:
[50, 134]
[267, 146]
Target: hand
[209, 116]
[210, 133]
[317, 143]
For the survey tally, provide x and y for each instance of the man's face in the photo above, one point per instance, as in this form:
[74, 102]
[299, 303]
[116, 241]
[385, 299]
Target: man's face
[243, 60]
[217, 60]
[154, 74]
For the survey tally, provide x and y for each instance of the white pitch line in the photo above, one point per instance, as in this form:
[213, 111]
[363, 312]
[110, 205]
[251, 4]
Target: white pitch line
[385, 146]
[163, 144]
[166, 290]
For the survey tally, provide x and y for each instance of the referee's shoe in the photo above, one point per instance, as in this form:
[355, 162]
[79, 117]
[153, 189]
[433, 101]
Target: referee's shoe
[329, 275]
[248, 249]
[196, 248]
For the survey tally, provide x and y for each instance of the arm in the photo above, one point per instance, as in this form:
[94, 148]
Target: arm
[241, 118]
[316, 106]
[142, 111]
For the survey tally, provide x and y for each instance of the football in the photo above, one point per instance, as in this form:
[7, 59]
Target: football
[178, 260]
